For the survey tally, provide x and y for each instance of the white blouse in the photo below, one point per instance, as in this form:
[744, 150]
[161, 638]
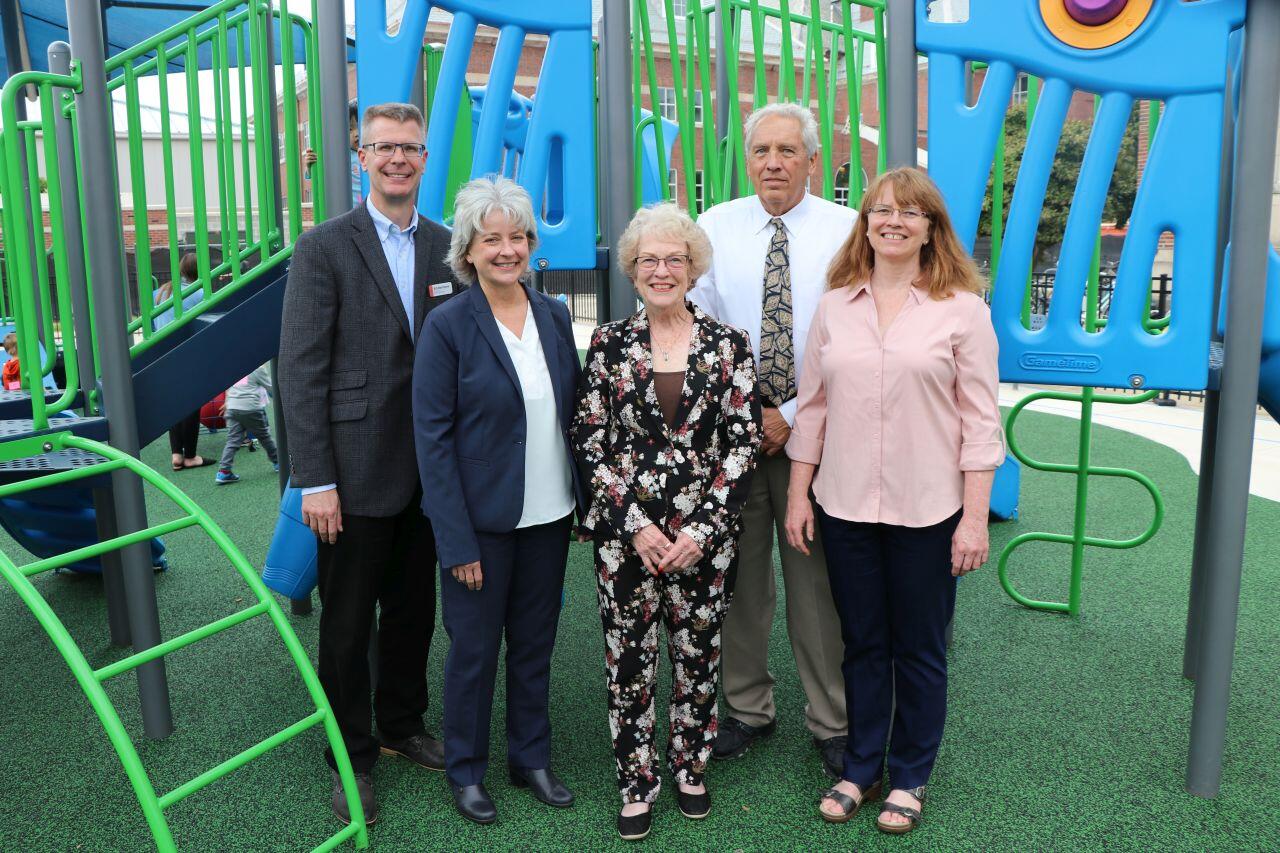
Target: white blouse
[548, 481]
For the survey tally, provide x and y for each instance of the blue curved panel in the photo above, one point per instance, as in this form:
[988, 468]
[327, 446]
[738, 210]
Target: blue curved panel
[1178, 192]
[560, 123]
[1271, 309]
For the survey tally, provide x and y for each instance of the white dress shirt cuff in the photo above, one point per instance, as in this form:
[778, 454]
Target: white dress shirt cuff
[788, 411]
[311, 490]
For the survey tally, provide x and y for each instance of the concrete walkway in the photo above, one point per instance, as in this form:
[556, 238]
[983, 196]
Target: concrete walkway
[1178, 427]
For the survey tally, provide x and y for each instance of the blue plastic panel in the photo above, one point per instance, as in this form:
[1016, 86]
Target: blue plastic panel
[1178, 55]
[561, 128]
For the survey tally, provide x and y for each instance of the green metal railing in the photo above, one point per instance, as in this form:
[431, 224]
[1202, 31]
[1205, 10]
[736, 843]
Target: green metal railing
[807, 79]
[460, 154]
[237, 35]
[91, 679]
[1083, 467]
[27, 280]
[237, 192]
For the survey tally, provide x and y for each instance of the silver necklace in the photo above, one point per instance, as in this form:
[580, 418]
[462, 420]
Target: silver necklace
[664, 351]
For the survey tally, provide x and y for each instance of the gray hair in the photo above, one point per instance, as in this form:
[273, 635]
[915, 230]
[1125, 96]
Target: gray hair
[808, 125]
[669, 221]
[473, 205]
[395, 112]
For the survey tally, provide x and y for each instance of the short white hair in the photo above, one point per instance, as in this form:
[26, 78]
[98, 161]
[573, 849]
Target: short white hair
[808, 124]
[473, 205]
[665, 221]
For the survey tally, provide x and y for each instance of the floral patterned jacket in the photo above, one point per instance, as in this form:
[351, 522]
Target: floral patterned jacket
[693, 477]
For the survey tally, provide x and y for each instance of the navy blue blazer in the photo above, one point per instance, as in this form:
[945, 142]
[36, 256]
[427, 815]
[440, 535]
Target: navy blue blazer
[469, 419]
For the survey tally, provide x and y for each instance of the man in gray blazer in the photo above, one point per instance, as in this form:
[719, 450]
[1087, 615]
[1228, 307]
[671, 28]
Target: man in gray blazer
[360, 286]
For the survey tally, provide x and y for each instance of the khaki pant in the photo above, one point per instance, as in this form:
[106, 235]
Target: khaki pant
[812, 623]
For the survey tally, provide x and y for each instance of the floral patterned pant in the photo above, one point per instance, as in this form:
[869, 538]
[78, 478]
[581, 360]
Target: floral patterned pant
[692, 605]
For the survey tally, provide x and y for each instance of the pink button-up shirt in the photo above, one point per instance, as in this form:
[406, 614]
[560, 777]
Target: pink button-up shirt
[894, 422]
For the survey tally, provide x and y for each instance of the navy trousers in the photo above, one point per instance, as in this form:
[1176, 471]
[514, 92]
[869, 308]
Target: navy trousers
[520, 596]
[895, 594]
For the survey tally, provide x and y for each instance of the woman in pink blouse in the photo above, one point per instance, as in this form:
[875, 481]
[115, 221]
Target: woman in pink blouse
[898, 418]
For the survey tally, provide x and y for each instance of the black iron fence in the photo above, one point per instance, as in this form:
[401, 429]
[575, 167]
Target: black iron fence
[1161, 292]
[580, 289]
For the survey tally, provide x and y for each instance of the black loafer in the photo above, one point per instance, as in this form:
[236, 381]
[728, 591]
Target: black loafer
[368, 802]
[735, 737]
[695, 806]
[832, 751]
[543, 784]
[423, 750]
[635, 827]
[474, 803]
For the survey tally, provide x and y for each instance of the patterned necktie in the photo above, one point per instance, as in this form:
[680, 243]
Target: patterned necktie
[777, 365]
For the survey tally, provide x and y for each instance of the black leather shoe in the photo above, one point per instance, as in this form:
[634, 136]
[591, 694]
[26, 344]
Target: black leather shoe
[474, 804]
[544, 785]
[735, 737]
[368, 802]
[635, 827]
[695, 806]
[423, 750]
[832, 752]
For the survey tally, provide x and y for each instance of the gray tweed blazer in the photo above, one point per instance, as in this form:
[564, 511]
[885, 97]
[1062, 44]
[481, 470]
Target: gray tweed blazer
[346, 360]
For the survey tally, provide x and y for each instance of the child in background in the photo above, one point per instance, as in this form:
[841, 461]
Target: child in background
[246, 413]
[10, 378]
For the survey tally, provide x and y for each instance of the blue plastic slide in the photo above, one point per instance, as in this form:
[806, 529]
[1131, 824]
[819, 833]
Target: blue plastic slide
[291, 559]
[53, 521]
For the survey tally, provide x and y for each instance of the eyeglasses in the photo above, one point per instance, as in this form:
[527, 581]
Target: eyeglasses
[675, 263]
[412, 150]
[908, 214]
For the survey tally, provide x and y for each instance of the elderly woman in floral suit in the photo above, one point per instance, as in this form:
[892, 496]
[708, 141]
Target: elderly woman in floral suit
[666, 433]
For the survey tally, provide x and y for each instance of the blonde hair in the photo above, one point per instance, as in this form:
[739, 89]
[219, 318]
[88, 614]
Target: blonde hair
[669, 221]
[945, 266]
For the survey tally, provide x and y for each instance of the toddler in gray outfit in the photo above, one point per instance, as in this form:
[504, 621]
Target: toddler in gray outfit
[246, 413]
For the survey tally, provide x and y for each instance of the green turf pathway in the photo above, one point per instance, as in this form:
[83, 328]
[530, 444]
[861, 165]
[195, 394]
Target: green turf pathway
[1063, 734]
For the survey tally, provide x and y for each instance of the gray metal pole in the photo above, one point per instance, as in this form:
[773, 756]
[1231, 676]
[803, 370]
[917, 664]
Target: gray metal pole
[277, 151]
[1224, 547]
[282, 436]
[60, 63]
[101, 218]
[617, 151]
[1209, 432]
[418, 91]
[726, 59]
[899, 126]
[331, 41]
[82, 352]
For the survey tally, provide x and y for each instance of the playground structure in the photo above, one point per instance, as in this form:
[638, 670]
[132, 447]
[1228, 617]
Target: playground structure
[144, 377]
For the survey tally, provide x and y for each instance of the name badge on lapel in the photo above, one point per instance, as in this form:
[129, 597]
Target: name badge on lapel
[444, 288]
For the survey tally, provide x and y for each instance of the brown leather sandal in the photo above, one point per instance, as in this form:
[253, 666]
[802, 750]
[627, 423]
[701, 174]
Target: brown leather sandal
[913, 816]
[848, 806]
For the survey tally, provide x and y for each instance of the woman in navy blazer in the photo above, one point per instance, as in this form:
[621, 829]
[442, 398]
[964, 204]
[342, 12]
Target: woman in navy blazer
[494, 382]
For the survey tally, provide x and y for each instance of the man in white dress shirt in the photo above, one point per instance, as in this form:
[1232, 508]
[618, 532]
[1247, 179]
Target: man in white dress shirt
[768, 271]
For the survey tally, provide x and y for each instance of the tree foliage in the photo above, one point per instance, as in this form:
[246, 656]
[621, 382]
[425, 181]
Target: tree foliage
[1063, 177]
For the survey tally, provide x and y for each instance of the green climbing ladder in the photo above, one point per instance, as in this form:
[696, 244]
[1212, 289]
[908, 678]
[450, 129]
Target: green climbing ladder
[91, 680]
[1083, 468]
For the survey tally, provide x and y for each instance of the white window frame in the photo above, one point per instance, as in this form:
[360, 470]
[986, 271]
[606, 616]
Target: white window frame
[666, 100]
[1021, 88]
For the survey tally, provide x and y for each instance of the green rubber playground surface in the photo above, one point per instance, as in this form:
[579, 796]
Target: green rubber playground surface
[1063, 734]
